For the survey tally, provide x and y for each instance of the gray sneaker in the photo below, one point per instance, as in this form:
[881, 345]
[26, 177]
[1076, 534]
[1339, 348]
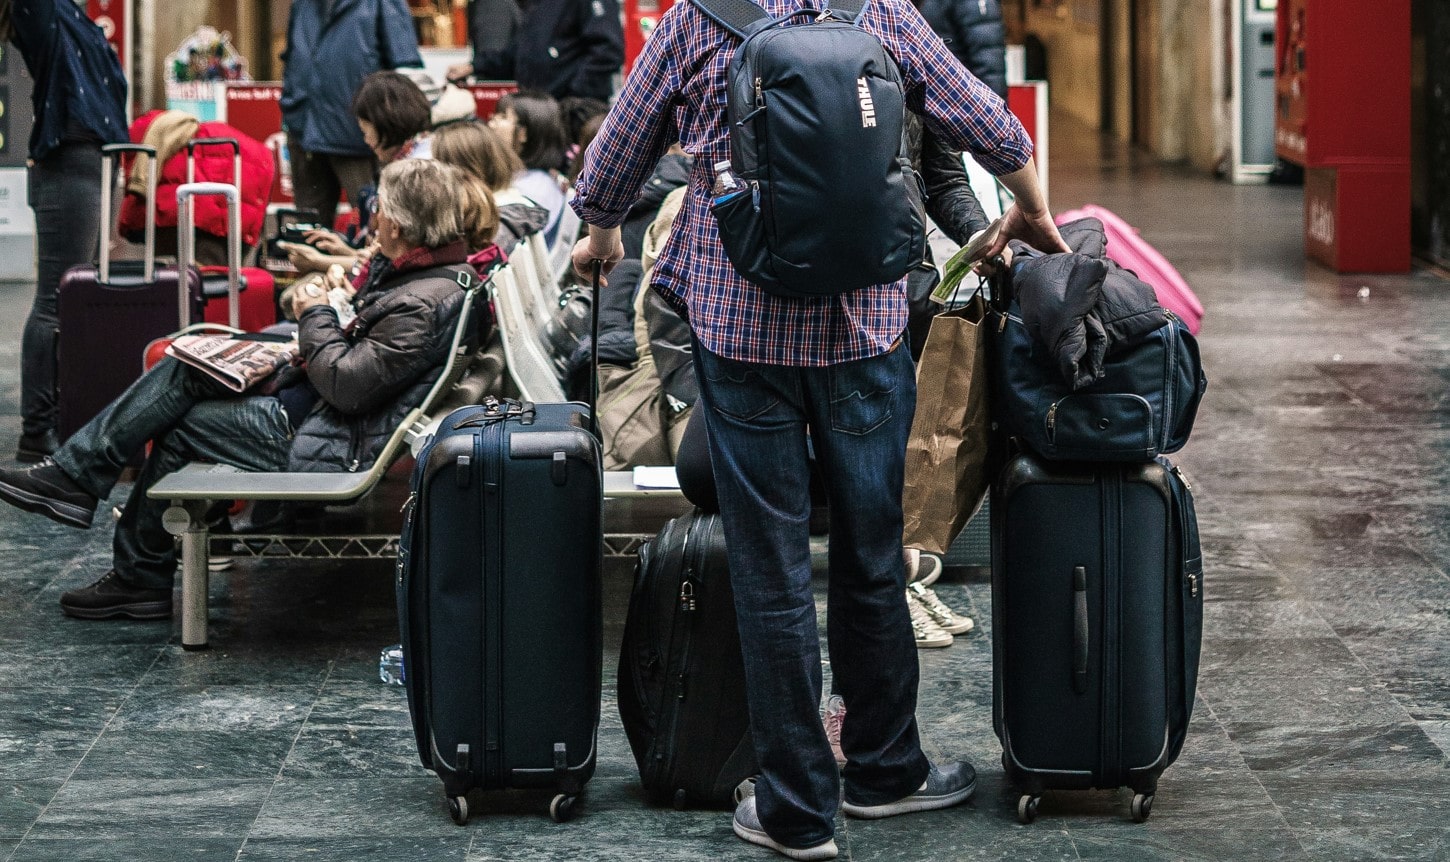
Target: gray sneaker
[944, 787]
[747, 826]
[941, 613]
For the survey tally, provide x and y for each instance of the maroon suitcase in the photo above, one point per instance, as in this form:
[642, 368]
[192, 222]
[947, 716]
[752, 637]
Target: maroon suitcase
[109, 313]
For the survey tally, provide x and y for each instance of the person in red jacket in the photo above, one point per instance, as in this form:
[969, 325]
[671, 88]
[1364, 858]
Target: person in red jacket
[213, 164]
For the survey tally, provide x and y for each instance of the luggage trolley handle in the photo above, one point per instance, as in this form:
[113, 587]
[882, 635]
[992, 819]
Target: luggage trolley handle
[186, 244]
[236, 147]
[111, 156]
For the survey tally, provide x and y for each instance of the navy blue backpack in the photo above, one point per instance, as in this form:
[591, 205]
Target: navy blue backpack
[830, 201]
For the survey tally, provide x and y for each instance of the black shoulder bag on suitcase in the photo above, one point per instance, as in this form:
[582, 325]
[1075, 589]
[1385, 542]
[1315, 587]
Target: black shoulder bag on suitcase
[499, 599]
[681, 676]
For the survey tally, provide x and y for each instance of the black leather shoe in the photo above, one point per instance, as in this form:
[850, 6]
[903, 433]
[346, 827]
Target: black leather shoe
[34, 448]
[46, 490]
[111, 597]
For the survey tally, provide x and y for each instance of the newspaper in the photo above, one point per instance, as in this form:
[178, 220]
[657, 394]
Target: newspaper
[956, 268]
[238, 362]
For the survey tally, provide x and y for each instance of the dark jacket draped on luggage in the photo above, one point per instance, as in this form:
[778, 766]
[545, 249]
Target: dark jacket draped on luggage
[973, 32]
[331, 47]
[370, 373]
[1082, 306]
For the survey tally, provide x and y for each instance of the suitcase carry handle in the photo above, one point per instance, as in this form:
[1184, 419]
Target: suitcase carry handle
[186, 244]
[236, 147]
[1079, 630]
[110, 157]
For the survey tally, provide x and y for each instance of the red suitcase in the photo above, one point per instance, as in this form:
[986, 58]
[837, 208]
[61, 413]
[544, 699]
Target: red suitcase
[257, 288]
[109, 312]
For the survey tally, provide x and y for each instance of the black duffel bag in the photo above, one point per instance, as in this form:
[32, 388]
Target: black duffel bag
[1143, 406]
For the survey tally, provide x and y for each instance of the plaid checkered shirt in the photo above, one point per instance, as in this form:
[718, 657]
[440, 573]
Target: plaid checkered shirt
[677, 91]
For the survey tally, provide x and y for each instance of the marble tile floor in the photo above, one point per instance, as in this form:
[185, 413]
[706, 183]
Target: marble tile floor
[1320, 461]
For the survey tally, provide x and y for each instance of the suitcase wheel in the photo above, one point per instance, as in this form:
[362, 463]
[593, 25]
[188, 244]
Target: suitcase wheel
[561, 808]
[1027, 808]
[458, 809]
[1142, 806]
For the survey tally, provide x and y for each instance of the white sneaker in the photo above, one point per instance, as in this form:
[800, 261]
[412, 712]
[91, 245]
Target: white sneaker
[929, 635]
[834, 717]
[941, 613]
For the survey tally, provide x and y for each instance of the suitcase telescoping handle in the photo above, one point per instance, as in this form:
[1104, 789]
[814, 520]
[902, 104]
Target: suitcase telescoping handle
[594, 352]
[186, 244]
[110, 157]
[1079, 630]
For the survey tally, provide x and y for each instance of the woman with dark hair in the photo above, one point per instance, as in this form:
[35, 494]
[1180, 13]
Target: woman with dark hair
[394, 116]
[532, 124]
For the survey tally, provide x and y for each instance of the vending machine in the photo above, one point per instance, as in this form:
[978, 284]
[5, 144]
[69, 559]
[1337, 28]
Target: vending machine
[1342, 111]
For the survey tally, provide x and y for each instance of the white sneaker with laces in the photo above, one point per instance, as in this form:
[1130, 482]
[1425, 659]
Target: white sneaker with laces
[929, 635]
[941, 613]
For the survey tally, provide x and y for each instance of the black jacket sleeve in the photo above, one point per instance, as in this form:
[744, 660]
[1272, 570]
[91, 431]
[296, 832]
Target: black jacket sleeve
[602, 36]
[983, 40]
[950, 201]
[493, 30]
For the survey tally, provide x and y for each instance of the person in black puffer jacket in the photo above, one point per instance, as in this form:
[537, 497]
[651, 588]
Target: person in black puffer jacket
[359, 380]
[974, 32]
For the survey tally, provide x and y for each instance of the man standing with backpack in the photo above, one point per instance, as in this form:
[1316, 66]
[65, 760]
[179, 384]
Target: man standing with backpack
[788, 259]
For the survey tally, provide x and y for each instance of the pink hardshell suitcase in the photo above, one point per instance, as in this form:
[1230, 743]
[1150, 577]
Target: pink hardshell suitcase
[1129, 250]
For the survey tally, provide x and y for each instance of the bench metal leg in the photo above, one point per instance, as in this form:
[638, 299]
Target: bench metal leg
[189, 523]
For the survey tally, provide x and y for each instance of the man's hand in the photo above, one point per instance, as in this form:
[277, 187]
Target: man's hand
[459, 72]
[1035, 229]
[602, 244]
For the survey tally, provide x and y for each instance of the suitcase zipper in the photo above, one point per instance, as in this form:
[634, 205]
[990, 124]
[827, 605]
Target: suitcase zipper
[686, 607]
[493, 553]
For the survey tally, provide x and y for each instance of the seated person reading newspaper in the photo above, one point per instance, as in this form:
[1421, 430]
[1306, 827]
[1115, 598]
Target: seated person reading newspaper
[331, 412]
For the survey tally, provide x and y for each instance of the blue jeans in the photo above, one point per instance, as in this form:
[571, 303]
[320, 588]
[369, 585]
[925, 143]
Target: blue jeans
[188, 417]
[858, 415]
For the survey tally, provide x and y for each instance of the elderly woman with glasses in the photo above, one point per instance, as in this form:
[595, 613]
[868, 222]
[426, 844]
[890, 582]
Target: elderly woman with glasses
[332, 412]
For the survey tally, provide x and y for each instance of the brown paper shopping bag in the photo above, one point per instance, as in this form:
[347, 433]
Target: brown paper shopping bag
[946, 455]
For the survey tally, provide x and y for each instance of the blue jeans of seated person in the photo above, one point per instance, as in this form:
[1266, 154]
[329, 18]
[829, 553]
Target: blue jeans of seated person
[189, 417]
[858, 415]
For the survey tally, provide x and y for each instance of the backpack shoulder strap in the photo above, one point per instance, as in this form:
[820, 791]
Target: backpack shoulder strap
[737, 16]
[848, 9]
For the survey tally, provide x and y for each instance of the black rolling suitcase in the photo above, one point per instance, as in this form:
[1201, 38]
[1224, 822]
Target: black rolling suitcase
[109, 312]
[1097, 615]
[499, 598]
[499, 601]
[681, 676]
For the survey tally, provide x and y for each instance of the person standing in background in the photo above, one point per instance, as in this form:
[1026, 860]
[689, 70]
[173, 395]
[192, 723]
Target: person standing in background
[80, 104]
[560, 47]
[974, 32]
[331, 46]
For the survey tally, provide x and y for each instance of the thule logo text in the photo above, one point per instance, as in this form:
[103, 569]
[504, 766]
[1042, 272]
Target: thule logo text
[868, 107]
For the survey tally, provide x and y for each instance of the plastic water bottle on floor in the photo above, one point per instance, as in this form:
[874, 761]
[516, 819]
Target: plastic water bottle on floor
[390, 665]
